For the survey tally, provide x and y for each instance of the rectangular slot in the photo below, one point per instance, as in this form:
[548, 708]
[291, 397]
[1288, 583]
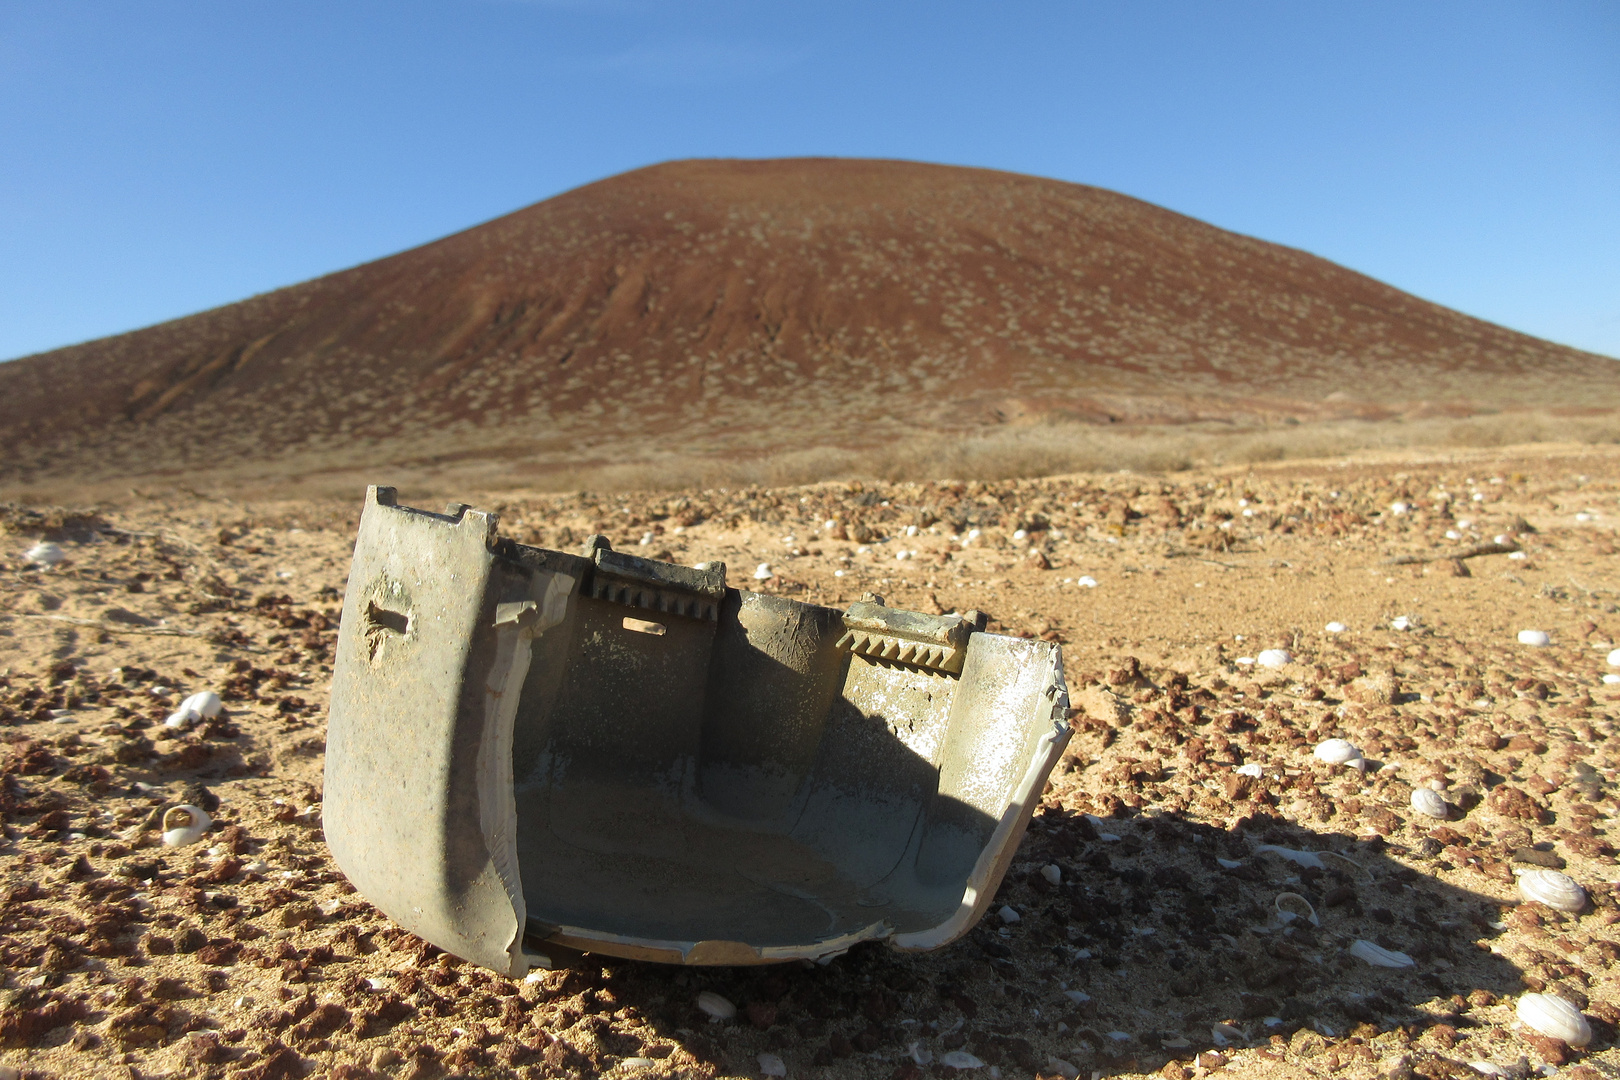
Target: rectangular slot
[642, 626]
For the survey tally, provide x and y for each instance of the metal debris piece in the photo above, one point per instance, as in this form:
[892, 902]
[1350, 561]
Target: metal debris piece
[530, 749]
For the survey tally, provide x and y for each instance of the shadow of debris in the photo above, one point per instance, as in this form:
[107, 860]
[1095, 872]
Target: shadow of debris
[1160, 941]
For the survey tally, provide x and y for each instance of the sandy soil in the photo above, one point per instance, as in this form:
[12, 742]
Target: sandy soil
[1159, 950]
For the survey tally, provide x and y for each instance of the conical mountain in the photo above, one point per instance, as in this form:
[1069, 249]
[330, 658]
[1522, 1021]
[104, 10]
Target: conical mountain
[744, 307]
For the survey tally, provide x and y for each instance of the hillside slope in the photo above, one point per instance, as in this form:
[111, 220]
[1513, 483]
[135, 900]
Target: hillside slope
[738, 307]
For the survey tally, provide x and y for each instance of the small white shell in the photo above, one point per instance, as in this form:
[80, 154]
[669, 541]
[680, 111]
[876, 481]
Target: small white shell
[1428, 801]
[763, 572]
[1336, 751]
[1253, 769]
[1401, 622]
[961, 1059]
[1537, 638]
[1053, 873]
[1290, 906]
[1273, 658]
[771, 1065]
[716, 1006]
[202, 705]
[1008, 915]
[1614, 658]
[1066, 1069]
[1559, 891]
[1336, 628]
[1079, 997]
[919, 1053]
[1378, 956]
[45, 553]
[1552, 1015]
[1299, 858]
[185, 824]
[1488, 1068]
[1332, 859]
[205, 703]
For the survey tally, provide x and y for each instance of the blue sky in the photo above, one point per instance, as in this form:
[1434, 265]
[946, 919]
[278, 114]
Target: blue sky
[161, 157]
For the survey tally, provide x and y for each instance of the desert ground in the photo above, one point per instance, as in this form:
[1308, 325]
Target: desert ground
[1189, 801]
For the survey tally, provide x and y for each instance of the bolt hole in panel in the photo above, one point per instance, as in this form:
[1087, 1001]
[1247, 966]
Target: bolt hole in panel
[515, 752]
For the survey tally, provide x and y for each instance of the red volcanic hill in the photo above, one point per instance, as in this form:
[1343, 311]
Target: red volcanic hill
[745, 307]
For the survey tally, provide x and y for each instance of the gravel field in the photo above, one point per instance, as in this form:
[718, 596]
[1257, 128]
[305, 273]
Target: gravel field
[1200, 892]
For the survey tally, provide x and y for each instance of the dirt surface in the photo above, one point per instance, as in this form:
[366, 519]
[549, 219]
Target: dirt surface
[719, 310]
[1157, 951]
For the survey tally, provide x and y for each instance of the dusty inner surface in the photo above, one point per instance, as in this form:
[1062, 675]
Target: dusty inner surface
[247, 955]
[742, 781]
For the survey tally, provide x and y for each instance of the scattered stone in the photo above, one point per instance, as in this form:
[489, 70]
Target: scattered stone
[1534, 857]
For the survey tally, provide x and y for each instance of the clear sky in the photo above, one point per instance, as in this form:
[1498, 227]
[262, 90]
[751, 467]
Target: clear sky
[165, 156]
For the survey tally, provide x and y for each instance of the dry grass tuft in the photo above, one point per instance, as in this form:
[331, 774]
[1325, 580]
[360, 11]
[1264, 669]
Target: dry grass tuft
[1010, 452]
[1062, 448]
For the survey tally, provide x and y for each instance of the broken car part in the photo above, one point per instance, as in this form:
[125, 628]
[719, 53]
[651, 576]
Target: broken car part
[627, 757]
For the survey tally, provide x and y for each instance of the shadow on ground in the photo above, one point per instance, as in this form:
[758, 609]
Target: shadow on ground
[1161, 941]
